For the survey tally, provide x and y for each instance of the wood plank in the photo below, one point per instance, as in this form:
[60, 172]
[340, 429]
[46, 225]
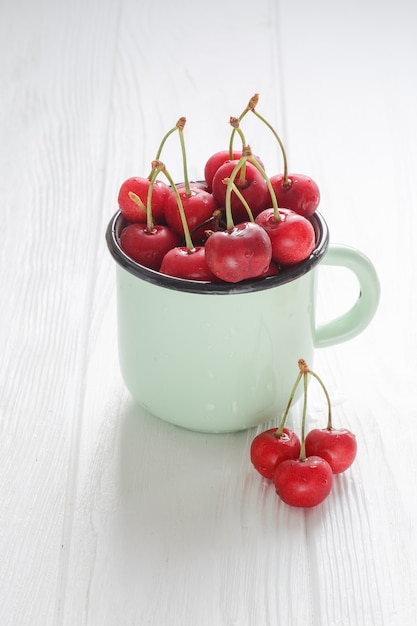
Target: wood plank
[53, 110]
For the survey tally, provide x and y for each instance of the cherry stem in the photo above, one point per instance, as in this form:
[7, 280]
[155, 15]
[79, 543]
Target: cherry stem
[281, 145]
[249, 107]
[160, 167]
[281, 425]
[135, 198]
[161, 145]
[180, 126]
[148, 208]
[260, 169]
[229, 217]
[329, 405]
[149, 217]
[237, 191]
[213, 219]
[303, 419]
[234, 122]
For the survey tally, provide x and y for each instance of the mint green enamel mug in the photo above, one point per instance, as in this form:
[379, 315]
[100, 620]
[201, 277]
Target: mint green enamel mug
[220, 358]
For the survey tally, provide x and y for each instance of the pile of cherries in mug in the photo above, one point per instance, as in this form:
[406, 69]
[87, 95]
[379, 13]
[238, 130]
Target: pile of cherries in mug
[236, 224]
[302, 470]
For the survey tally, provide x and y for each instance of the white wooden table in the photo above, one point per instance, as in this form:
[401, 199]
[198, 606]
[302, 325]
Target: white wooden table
[108, 516]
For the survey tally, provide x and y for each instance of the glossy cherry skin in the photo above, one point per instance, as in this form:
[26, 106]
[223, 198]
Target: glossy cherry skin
[148, 247]
[199, 184]
[217, 159]
[272, 270]
[189, 265]
[269, 449]
[292, 237]
[240, 253]
[140, 186]
[254, 189]
[199, 207]
[337, 446]
[301, 194]
[303, 483]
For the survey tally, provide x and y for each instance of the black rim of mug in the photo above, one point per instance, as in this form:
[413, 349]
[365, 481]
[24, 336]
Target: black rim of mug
[285, 275]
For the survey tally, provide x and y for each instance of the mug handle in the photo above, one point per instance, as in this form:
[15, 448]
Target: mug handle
[357, 318]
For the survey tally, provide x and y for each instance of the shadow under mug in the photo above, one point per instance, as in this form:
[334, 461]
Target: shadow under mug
[218, 357]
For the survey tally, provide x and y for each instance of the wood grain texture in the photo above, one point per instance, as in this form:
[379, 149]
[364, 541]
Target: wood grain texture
[108, 516]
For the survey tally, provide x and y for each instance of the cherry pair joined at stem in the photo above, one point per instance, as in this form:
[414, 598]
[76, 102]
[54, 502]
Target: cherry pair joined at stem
[296, 192]
[302, 471]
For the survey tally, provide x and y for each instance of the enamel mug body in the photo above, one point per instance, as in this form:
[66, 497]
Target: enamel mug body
[224, 357]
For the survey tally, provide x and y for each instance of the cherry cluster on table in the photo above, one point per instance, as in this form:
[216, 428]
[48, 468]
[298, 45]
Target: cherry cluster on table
[302, 471]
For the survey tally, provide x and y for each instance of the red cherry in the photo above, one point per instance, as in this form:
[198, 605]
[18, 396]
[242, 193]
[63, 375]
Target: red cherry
[199, 207]
[268, 449]
[217, 159]
[254, 190]
[303, 483]
[337, 446]
[292, 237]
[148, 247]
[131, 211]
[301, 194]
[194, 184]
[271, 271]
[239, 253]
[187, 264]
